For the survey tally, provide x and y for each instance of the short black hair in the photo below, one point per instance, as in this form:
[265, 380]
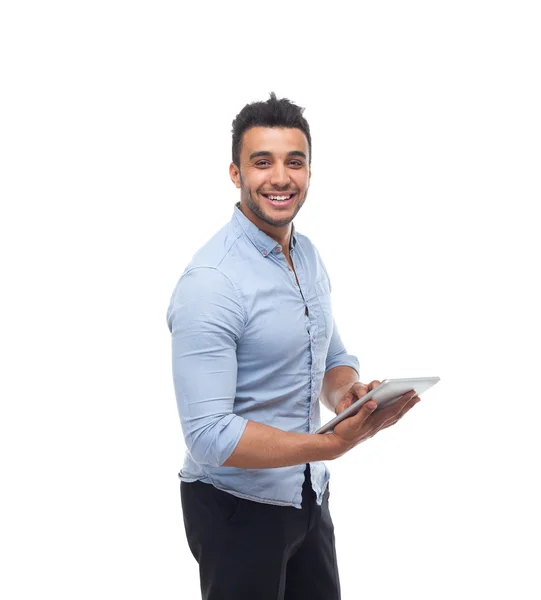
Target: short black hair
[272, 113]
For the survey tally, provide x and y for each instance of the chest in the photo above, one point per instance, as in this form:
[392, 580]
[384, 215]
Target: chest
[287, 314]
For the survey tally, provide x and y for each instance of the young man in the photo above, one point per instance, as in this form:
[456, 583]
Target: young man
[255, 348]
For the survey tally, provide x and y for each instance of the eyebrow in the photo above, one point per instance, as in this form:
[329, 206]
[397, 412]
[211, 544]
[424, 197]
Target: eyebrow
[267, 153]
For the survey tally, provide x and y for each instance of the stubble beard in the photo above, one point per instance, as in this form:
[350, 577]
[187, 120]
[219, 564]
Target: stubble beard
[255, 207]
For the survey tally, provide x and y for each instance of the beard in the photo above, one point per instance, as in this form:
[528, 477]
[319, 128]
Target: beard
[255, 206]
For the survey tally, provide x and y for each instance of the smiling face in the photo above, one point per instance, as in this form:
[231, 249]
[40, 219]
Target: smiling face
[273, 176]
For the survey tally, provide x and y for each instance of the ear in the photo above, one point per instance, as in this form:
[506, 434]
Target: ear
[234, 173]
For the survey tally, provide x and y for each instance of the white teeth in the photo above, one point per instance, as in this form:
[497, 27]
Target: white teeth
[280, 198]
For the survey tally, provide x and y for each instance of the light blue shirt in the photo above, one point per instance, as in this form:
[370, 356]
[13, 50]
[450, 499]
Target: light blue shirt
[244, 348]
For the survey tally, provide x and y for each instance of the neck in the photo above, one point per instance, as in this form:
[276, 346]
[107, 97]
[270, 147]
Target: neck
[280, 234]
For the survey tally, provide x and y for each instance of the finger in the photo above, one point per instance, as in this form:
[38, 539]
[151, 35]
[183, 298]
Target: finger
[373, 384]
[388, 414]
[359, 390]
[349, 401]
[404, 410]
[395, 408]
[407, 402]
[415, 400]
[406, 399]
[364, 412]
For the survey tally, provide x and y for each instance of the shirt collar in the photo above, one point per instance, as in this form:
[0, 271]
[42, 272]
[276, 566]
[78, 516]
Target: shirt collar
[260, 239]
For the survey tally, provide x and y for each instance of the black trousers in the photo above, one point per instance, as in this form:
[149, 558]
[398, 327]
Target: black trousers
[253, 551]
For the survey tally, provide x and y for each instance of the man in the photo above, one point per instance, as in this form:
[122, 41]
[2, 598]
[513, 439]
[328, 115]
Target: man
[255, 348]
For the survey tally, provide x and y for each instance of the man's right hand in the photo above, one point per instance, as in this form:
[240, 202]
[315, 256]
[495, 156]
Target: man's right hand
[366, 423]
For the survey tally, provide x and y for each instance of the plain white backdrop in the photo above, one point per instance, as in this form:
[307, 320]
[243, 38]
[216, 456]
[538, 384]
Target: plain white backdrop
[115, 141]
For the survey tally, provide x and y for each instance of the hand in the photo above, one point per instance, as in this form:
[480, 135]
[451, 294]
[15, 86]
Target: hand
[356, 391]
[364, 425]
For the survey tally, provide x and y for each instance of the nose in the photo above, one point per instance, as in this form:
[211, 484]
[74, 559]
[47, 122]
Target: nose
[279, 176]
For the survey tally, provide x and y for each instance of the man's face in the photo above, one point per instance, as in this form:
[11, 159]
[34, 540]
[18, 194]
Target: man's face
[274, 175]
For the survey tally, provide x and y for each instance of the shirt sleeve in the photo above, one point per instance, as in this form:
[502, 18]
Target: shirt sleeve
[206, 319]
[337, 355]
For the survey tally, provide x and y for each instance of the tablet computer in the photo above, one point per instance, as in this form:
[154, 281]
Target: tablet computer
[386, 394]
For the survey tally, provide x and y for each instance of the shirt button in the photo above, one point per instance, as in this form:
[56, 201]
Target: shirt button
[313, 339]
[264, 253]
[278, 248]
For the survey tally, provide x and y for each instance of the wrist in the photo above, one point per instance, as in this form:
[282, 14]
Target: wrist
[336, 446]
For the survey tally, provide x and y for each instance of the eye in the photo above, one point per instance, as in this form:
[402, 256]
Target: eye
[262, 163]
[296, 163]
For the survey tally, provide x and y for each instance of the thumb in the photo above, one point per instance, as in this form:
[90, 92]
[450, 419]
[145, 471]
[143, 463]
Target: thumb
[366, 410]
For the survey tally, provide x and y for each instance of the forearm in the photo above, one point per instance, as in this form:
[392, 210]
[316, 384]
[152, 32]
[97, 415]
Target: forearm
[336, 383]
[265, 447]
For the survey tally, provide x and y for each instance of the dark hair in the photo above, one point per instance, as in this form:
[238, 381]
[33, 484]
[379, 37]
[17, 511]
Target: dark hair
[272, 113]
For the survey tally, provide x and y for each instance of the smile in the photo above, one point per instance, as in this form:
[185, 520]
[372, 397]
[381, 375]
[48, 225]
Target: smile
[279, 199]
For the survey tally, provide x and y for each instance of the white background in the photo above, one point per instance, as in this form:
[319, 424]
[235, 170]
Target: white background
[115, 143]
